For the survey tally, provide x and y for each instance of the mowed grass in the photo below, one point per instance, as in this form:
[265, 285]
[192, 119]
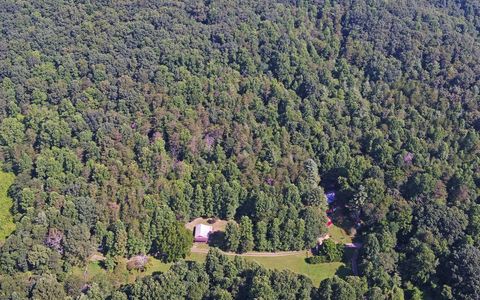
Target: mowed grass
[297, 264]
[94, 269]
[89, 273]
[198, 257]
[294, 263]
[339, 235]
[7, 226]
[155, 265]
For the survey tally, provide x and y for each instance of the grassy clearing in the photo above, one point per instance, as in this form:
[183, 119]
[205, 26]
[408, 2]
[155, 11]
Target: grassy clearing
[217, 224]
[93, 270]
[198, 257]
[7, 226]
[294, 263]
[155, 265]
[297, 264]
[339, 235]
[202, 246]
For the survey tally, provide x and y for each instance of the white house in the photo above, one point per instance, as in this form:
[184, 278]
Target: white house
[202, 232]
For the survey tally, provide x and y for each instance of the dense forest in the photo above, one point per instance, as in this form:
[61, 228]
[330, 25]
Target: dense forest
[123, 120]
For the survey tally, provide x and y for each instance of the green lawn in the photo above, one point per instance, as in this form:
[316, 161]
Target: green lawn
[297, 264]
[155, 265]
[294, 263]
[199, 257]
[339, 235]
[7, 226]
[93, 269]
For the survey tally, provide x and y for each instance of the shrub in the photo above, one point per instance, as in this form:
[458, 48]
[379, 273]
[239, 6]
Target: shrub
[328, 252]
[316, 259]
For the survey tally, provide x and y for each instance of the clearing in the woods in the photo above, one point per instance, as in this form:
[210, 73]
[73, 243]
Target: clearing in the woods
[295, 263]
[339, 235]
[287, 260]
[217, 224]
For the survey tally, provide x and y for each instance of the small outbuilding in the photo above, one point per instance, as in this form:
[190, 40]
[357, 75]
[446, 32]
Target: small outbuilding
[137, 262]
[330, 196]
[202, 232]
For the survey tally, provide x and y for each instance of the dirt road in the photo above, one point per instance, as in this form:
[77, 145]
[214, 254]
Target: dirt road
[354, 262]
[196, 249]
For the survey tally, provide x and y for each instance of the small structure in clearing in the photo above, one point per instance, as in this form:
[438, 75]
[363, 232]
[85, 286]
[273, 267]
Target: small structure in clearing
[202, 232]
[137, 262]
[330, 196]
[217, 224]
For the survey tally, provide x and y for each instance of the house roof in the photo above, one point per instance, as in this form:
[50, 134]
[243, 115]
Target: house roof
[202, 230]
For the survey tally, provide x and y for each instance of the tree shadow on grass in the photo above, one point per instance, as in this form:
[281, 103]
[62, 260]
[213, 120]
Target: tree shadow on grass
[330, 178]
[343, 272]
[347, 255]
[217, 239]
[156, 273]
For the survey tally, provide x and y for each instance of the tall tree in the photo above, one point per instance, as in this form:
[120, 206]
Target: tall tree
[232, 236]
[246, 235]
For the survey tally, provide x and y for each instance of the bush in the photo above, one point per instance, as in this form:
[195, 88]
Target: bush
[328, 252]
[315, 259]
[332, 251]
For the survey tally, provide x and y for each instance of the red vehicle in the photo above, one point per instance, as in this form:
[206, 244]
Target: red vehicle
[329, 222]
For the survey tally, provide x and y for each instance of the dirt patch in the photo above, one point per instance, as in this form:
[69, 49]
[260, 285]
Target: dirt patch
[322, 238]
[217, 224]
[96, 257]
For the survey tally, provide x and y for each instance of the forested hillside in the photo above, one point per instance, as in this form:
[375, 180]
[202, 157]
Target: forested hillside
[123, 120]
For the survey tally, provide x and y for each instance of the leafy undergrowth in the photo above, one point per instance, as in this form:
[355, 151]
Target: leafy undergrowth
[7, 226]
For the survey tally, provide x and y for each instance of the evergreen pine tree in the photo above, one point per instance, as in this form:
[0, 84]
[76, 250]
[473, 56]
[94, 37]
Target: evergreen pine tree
[246, 235]
[197, 204]
[232, 236]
